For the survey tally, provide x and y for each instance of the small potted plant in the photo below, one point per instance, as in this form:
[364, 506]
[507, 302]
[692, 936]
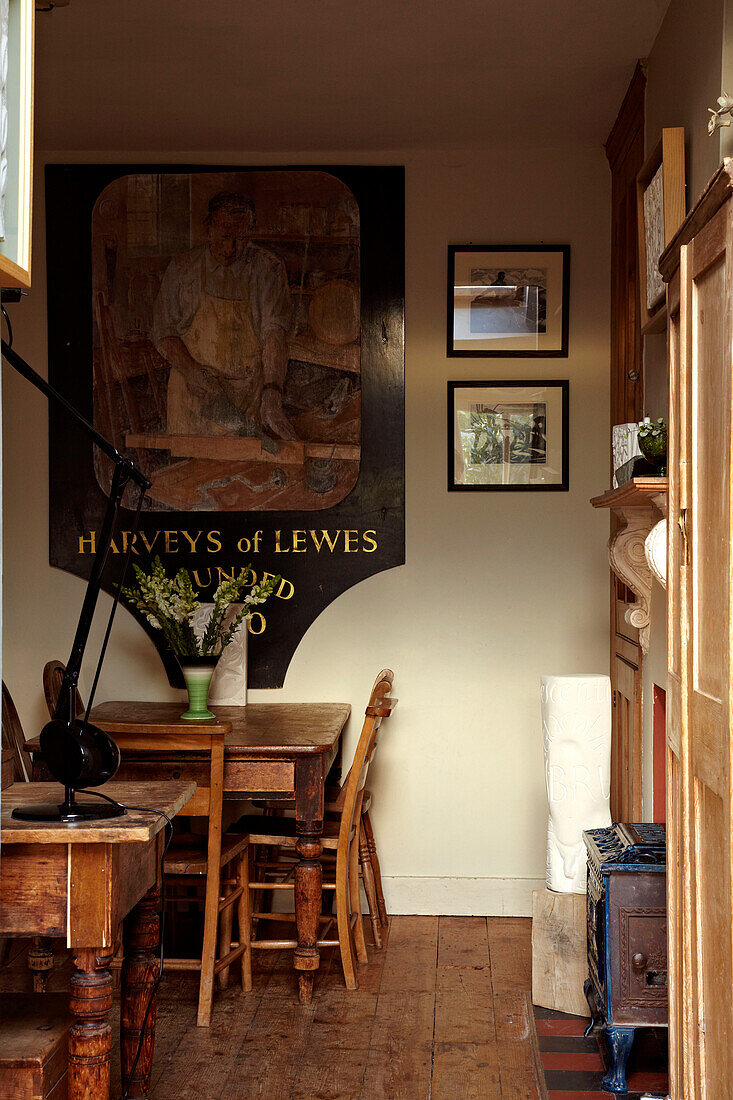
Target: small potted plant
[170, 605]
[653, 443]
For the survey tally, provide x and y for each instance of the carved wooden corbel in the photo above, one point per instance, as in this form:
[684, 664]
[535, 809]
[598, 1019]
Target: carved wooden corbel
[655, 549]
[627, 553]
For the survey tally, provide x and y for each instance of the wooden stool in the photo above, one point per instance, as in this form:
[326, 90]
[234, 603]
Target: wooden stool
[34, 1047]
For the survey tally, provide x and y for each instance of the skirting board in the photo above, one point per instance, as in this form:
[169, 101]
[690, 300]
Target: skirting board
[461, 897]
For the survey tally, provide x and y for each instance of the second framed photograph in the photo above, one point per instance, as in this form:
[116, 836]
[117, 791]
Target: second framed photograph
[508, 435]
[508, 301]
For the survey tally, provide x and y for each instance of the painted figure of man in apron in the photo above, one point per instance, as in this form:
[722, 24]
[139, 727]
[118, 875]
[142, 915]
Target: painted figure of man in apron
[221, 320]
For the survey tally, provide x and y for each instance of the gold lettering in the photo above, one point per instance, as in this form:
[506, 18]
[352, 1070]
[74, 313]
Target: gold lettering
[129, 541]
[257, 537]
[192, 541]
[149, 545]
[91, 538]
[244, 546]
[197, 580]
[298, 540]
[214, 544]
[113, 546]
[278, 548]
[260, 622]
[171, 542]
[367, 536]
[349, 537]
[290, 585]
[223, 575]
[325, 537]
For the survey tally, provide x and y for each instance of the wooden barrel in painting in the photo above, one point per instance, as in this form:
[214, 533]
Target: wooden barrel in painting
[334, 312]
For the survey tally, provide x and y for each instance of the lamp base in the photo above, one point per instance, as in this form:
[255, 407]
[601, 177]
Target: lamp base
[67, 812]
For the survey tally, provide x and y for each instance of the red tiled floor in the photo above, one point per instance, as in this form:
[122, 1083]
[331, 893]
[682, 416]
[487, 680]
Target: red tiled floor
[576, 1026]
[554, 1060]
[555, 1095]
[573, 1066]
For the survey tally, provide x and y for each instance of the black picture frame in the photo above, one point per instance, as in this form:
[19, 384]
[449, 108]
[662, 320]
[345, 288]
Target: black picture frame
[560, 352]
[562, 385]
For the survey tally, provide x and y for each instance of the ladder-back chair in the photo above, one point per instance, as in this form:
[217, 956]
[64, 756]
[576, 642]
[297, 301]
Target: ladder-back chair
[205, 857]
[341, 835]
[53, 678]
[369, 866]
[40, 955]
[13, 738]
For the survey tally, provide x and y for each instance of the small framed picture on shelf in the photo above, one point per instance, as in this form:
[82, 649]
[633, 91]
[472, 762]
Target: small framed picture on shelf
[660, 207]
[508, 300]
[508, 435]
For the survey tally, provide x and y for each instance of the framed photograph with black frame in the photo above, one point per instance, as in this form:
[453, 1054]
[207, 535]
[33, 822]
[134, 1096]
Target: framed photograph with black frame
[508, 300]
[508, 435]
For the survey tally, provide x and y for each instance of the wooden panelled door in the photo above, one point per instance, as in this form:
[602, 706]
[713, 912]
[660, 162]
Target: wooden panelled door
[700, 636]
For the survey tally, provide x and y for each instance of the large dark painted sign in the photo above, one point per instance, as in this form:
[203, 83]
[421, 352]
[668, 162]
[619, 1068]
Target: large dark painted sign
[240, 334]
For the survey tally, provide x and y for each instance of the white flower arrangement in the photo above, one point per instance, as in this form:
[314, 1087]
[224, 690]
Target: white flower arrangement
[169, 606]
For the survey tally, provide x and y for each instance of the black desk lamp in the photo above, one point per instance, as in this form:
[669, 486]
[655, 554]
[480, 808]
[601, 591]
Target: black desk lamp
[76, 753]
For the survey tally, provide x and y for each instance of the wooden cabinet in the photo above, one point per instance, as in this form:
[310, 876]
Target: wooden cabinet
[698, 268]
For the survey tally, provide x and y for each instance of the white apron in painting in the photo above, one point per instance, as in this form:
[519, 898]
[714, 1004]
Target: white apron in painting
[229, 682]
[576, 727]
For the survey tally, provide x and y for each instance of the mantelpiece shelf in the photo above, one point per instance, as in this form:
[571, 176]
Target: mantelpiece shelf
[637, 549]
[638, 492]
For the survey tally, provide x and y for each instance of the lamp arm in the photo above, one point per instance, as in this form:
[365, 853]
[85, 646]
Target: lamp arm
[124, 472]
[19, 364]
[65, 706]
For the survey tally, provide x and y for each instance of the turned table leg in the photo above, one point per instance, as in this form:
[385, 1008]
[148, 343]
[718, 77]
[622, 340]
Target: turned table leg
[90, 1036]
[308, 873]
[308, 889]
[40, 963]
[140, 969]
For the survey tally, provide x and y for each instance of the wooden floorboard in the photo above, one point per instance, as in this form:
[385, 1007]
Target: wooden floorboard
[441, 1013]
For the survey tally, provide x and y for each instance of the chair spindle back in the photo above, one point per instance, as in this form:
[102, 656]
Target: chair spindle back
[380, 706]
[53, 678]
[13, 738]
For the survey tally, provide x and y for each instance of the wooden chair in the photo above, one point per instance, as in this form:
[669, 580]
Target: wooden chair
[40, 955]
[203, 858]
[369, 868]
[188, 858]
[13, 738]
[341, 835]
[53, 677]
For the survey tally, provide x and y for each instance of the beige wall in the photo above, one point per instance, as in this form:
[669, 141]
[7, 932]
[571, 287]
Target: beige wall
[684, 75]
[497, 588]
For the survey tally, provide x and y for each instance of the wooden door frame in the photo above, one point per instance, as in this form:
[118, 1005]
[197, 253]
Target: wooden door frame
[625, 152]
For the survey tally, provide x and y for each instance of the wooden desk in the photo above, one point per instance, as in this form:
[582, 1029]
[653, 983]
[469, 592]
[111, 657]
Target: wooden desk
[271, 750]
[79, 881]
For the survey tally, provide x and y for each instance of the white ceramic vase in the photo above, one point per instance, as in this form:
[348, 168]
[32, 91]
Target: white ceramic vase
[229, 682]
[576, 725]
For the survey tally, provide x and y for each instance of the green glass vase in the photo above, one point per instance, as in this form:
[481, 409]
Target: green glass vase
[197, 672]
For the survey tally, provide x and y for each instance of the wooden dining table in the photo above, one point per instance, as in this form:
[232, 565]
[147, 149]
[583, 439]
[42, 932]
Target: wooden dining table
[278, 751]
[79, 881]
